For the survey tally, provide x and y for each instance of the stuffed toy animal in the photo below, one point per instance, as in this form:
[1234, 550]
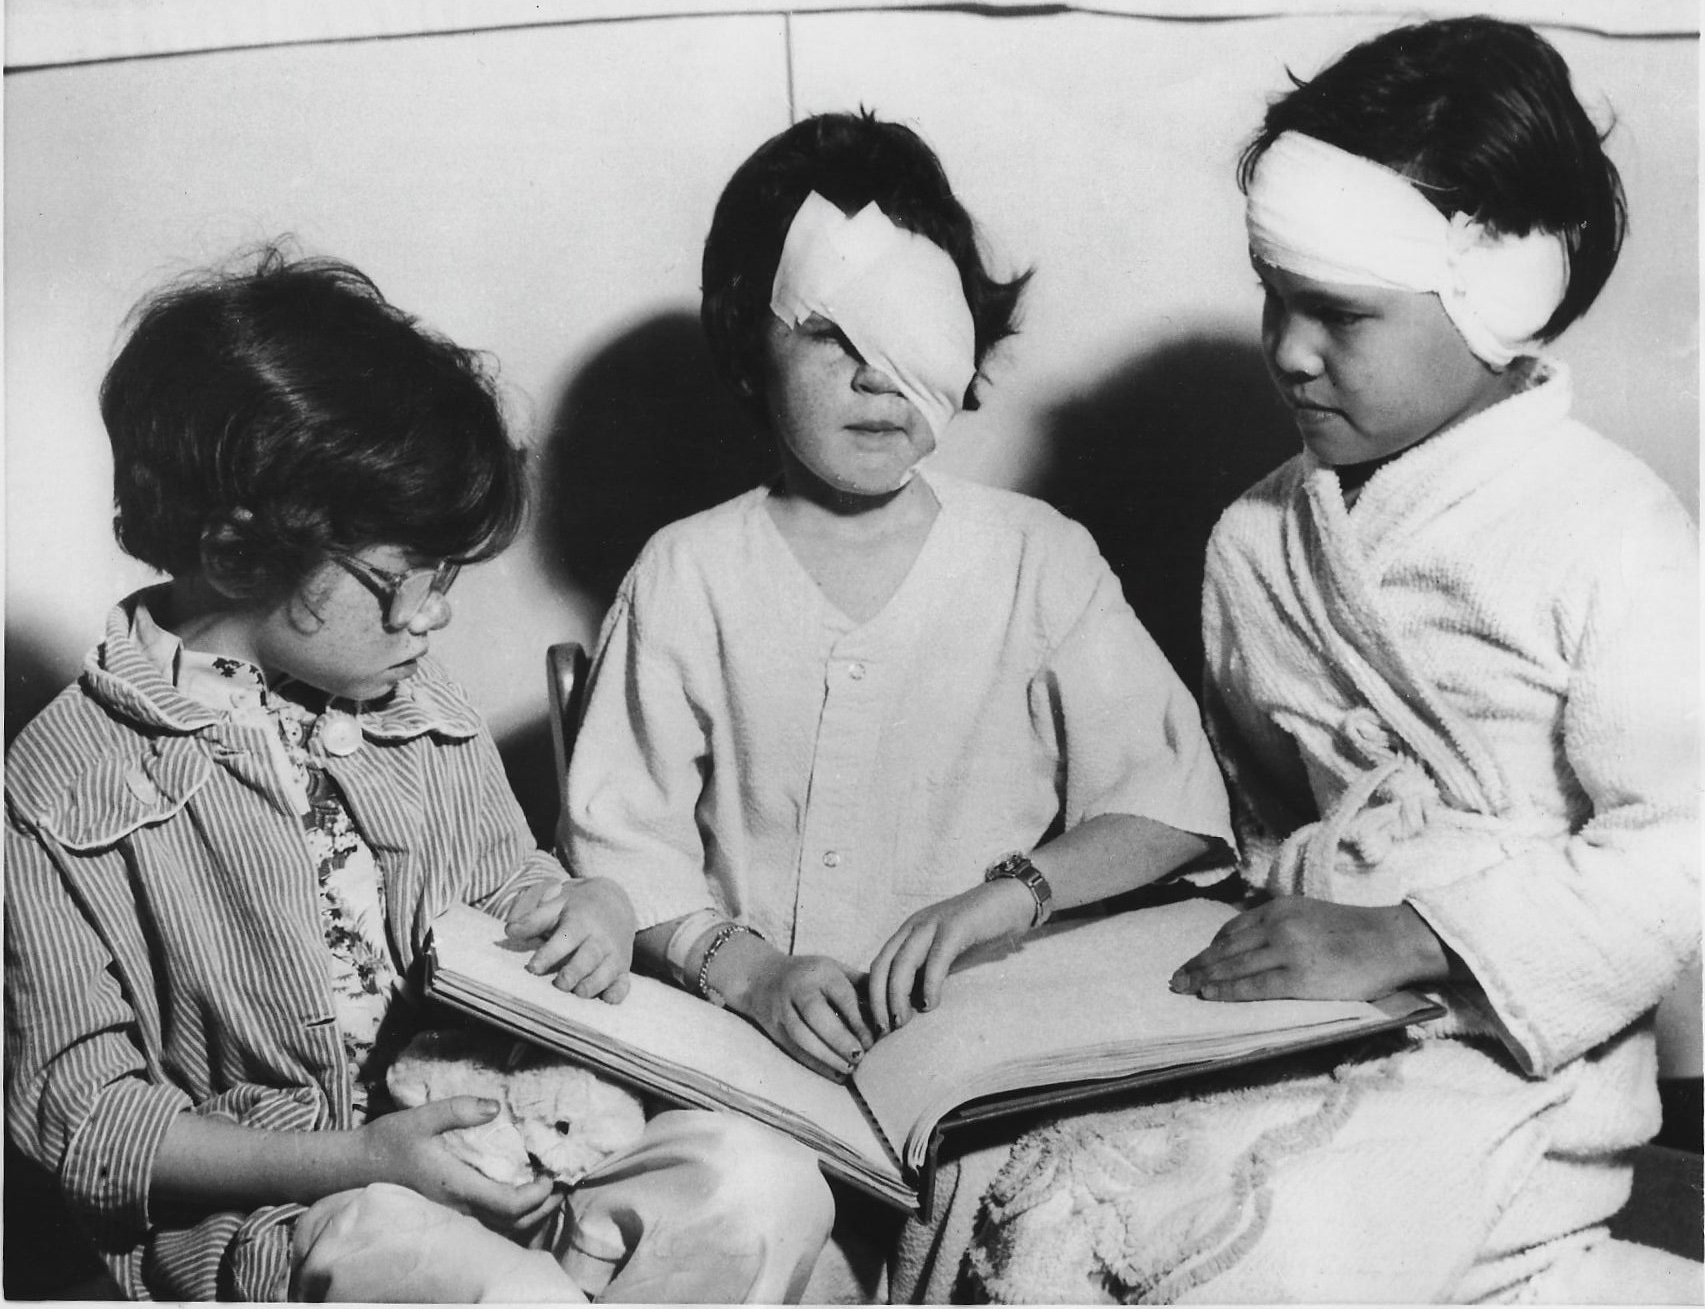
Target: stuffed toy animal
[557, 1118]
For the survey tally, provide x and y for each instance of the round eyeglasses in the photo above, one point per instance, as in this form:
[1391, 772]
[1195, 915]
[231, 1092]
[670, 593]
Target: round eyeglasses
[401, 595]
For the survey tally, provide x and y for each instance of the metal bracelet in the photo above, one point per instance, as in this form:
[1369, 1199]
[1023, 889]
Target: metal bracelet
[724, 934]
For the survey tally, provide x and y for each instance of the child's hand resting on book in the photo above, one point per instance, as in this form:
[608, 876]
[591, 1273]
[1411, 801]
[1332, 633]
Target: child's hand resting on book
[807, 1004]
[584, 928]
[911, 967]
[1302, 949]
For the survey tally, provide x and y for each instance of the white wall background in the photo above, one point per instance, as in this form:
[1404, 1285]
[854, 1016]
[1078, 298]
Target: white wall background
[542, 192]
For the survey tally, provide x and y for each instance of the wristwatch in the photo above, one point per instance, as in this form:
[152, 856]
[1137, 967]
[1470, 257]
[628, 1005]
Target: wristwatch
[1017, 865]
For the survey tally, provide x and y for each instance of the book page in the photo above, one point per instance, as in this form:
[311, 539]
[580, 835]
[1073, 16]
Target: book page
[1072, 1002]
[659, 1035]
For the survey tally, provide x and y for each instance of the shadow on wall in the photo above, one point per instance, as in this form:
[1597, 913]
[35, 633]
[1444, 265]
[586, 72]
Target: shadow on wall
[1148, 458]
[529, 762]
[643, 434]
[34, 674]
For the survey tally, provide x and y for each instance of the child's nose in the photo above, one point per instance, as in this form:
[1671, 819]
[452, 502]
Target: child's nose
[873, 380]
[434, 614]
[1291, 347]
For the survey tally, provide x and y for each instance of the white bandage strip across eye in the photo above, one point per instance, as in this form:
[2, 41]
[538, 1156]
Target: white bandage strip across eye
[895, 294]
[1332, 216]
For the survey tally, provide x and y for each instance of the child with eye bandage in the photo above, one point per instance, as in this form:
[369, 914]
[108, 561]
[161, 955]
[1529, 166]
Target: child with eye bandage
[1451, 677]
[853, 722]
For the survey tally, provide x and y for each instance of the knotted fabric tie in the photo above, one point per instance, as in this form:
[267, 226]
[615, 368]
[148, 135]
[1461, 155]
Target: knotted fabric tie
[1391, 800]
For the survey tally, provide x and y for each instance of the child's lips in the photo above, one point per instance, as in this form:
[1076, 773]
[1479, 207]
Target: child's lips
[1306, 411]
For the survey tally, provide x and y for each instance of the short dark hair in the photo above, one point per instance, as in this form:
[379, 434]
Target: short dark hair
[286, 398]
[1482, 116]
[850, 160]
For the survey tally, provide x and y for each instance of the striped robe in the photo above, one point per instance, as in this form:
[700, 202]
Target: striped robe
[164, 946]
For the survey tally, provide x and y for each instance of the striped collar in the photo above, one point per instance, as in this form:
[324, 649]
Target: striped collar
[147, 674]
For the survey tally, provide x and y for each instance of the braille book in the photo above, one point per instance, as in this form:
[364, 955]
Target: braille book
[1079, 1010]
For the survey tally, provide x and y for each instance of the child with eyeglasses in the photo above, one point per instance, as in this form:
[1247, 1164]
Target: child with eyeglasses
[226, 842]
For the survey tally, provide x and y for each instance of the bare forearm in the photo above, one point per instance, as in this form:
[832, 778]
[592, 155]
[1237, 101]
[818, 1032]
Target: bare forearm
[650, 947]
[733, 969]
[209, 1161]
[1421, 959]
[656, 949]
[1112, 853]
[737, 964]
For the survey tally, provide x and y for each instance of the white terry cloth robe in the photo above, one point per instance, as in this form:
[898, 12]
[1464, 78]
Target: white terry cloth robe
[1475, 691]
[746, 747]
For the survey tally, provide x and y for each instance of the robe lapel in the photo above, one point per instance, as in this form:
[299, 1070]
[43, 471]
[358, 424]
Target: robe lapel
[1328, 573]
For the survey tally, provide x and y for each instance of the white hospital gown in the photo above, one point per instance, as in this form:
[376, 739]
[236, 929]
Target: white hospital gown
[749, 748]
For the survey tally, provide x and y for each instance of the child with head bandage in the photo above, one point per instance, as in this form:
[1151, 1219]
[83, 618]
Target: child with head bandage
[1451, 655]
[853, 722]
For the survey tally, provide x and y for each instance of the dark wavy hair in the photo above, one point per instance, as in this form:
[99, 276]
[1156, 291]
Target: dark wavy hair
[1481, 114]
[285, 402]
[850, 160]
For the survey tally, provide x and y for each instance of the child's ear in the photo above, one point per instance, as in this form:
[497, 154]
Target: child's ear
[225, 554]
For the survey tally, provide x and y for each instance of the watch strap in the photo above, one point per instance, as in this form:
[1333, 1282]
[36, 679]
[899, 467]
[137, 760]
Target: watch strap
[1017, 865]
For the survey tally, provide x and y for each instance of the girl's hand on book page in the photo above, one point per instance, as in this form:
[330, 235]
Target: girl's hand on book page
[584, 928]
[407, 1147]
[1302, 949]
[809, 1006]
[910, 968]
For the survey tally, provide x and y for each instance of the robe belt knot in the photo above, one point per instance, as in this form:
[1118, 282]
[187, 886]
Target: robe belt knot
[1390, 800]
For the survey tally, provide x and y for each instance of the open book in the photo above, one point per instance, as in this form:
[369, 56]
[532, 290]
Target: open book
[1077, 1009]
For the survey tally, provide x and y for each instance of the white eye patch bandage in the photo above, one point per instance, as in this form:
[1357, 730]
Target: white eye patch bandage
[1332, 216]
[895, 294]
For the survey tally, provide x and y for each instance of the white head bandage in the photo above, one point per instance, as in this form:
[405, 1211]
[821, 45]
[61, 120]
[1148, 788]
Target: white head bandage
[895, 294]
[1332, 216]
